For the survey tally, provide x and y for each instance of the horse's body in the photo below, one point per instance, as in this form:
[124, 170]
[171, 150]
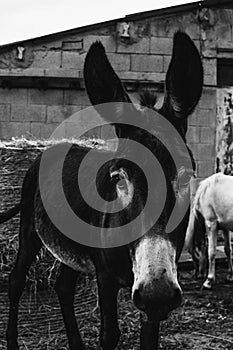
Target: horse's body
[212, 210]
[147, 265]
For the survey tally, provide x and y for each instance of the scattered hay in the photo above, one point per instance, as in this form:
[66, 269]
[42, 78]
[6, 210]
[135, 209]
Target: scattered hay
[23, 143]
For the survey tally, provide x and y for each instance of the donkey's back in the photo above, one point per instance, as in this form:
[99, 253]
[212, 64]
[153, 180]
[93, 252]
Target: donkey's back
[216, 200]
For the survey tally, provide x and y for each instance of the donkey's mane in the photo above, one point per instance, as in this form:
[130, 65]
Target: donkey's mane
[148, 98]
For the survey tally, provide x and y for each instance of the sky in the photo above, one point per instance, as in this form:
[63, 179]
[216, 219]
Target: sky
[26, 19]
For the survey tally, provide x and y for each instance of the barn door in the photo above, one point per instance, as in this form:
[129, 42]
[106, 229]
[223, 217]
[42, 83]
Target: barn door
[224, 131]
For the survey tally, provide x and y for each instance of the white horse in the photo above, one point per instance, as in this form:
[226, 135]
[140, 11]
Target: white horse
[212, 209]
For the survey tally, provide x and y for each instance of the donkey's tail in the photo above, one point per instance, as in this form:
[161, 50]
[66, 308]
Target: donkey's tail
[7, 215]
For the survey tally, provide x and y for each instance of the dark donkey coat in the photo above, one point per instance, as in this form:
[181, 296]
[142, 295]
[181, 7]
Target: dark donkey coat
[148, 265]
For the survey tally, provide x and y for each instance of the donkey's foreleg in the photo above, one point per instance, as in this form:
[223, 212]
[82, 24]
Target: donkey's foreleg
[29, 246]
[65, 288]
[149, 335]
[228, 252]
[107, 291]
[212, 243]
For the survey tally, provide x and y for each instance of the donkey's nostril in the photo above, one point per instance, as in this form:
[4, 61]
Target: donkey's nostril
[166, 298]
[138, 298]
[177, 297]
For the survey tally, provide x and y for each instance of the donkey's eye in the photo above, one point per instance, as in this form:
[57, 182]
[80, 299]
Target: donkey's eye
[116, 178]
[119, 178]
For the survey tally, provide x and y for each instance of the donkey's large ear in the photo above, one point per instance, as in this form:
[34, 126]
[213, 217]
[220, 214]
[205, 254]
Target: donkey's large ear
[184, 78]
[102, 83]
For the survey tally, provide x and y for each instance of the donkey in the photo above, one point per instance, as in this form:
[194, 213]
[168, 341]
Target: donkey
[211, 211]
[147, 264]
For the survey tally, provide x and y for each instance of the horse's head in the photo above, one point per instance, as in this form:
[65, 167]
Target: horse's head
[154, 255]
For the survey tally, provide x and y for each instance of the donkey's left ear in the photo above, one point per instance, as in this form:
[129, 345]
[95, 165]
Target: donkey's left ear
[102, 83]
[184, 80]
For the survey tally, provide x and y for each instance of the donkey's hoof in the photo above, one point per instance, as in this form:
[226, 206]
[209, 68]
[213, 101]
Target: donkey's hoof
[12, 345]
[208, 284]
[9, 347]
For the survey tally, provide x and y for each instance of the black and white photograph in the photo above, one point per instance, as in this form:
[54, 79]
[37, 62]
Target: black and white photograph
[116, 175]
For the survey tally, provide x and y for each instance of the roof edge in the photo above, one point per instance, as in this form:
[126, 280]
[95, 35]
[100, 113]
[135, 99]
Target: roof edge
[179, 8]
[140, 15]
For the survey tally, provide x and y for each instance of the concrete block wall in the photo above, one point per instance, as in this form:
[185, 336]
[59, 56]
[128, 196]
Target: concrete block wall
[35, 113]
[201, 135]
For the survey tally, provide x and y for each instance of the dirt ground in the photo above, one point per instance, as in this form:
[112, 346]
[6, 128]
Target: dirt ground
[205, 321]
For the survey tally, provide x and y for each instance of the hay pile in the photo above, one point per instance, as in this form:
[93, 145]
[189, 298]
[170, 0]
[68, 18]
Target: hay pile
[16, 157]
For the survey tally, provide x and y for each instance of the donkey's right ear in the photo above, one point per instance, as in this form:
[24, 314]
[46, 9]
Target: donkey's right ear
[102, 83]
[184, 80]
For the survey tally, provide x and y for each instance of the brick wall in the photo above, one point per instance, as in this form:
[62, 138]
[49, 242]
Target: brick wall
[45, 99]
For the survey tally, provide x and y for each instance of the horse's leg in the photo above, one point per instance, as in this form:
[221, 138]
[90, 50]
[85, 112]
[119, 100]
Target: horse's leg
[199, 261]
[228, 252]
[212, 243]
[29, 246]
[65, 288]
[195, 257]
[203, 260]
[149, 335]
[107, 291]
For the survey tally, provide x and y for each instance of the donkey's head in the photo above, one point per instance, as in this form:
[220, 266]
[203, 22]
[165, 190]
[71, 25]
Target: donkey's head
[154, 255]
